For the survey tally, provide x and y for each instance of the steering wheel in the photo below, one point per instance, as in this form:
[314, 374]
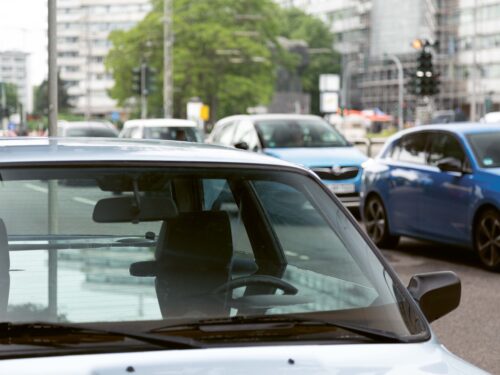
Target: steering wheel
[267, 280]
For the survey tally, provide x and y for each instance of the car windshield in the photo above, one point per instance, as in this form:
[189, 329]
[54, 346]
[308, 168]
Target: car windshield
[167, 244]
[298, 133]
[486, 148]
[176, 133]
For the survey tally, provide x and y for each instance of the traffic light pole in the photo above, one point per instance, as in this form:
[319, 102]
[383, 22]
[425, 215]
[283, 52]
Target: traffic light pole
[397, 61]
[144, 99]
[168, 86]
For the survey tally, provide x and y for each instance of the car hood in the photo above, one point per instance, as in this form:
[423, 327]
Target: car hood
[426, 358]
[318, 156]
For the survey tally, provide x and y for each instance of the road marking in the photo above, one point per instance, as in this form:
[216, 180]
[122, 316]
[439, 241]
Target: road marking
[304, 257]
[34, 187]
[85, 201]
[291, 253]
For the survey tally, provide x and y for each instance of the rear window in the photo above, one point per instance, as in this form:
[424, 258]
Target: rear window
[90, 132]
[174, 133]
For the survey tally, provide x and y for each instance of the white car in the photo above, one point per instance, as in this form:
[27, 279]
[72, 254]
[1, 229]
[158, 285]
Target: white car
[86, 129]
[209, 260]
[166, 129]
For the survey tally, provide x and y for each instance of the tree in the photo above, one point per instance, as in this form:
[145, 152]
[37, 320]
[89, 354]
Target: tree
[223, 54]
[11, 97]
[41, 97]
[295, 24]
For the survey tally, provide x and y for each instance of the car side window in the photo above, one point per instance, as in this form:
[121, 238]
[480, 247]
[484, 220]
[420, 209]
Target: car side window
[445, 146]
[412, 149]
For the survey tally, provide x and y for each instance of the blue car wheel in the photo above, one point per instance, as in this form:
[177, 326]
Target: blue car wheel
[377, 226]
[487, 239]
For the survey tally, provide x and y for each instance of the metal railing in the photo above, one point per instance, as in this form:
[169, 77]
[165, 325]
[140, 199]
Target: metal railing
[368, 142]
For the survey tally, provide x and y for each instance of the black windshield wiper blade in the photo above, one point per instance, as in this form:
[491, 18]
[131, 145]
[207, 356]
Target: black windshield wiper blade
[13, 331]
[275, 322]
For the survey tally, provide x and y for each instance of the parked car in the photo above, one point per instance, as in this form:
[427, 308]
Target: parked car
[165, 277]
[437, 182]
[86, 129]
[301, 139]
[491, 118]
[167, 129]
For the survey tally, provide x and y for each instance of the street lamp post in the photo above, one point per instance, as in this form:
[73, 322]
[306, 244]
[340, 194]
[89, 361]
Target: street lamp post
[399, 66]
[346, 81]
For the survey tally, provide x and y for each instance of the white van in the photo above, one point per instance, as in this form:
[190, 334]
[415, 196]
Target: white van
[169, 129]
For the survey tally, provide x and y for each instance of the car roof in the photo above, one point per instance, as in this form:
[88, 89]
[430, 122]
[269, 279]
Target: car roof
[73, 150]
[459, 128]
[272, 116]
[160, 122]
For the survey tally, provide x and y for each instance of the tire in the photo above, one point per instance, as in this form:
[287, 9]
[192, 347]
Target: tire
[487, 239]
[376, 224]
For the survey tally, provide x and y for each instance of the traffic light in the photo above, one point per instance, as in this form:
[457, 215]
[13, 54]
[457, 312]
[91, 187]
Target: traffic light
[424, 80]
[137, 80]
[150, 80]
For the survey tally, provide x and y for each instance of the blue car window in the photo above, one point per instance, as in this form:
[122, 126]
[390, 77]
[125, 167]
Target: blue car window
[486, 149]
[445, 146]
[413, 148]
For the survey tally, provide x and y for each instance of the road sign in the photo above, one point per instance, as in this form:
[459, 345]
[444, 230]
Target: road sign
[329, 82]
[329, 102]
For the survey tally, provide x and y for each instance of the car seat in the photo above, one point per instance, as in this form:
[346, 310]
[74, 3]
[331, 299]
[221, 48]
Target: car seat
[192, 258]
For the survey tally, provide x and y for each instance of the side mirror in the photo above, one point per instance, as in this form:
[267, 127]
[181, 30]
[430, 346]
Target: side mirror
[242, 145]
[450, 165]
[437, 293]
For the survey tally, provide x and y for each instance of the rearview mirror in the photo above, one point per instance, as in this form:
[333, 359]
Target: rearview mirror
[437, 293]
[450, 165]
[126, 209]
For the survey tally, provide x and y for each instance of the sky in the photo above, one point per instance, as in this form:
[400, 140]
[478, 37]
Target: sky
[23, 26]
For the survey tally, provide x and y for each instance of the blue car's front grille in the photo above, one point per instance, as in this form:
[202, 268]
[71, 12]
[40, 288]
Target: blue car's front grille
[336, 173]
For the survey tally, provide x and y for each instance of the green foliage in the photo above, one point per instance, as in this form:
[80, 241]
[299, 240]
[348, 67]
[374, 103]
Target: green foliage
[295, 24]
[41, 97]
[11, 99]
[223, 54]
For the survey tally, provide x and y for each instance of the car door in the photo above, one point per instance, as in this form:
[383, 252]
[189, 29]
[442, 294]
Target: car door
[446, 196]
[406, 164]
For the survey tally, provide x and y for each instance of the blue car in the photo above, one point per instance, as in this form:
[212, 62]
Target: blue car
[301, 139]
[440, 183]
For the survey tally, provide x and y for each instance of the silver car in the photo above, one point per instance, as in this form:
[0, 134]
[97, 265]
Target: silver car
[164, 256]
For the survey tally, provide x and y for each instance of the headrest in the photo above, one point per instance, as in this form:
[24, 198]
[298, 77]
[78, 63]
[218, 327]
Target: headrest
[196, 237]
[191, 241]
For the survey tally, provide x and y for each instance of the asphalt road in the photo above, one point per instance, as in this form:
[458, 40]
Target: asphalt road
[473, 330]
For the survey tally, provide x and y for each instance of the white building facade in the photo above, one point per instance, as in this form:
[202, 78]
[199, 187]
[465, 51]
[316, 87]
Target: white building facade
[83, 28]
[14, 70]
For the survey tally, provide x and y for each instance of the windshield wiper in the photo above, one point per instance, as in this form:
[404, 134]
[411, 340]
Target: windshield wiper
[45, 334]
[277, 322]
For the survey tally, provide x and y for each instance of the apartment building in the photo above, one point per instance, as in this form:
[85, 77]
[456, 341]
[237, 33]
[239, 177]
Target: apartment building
[83, 30]
[14, 70]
